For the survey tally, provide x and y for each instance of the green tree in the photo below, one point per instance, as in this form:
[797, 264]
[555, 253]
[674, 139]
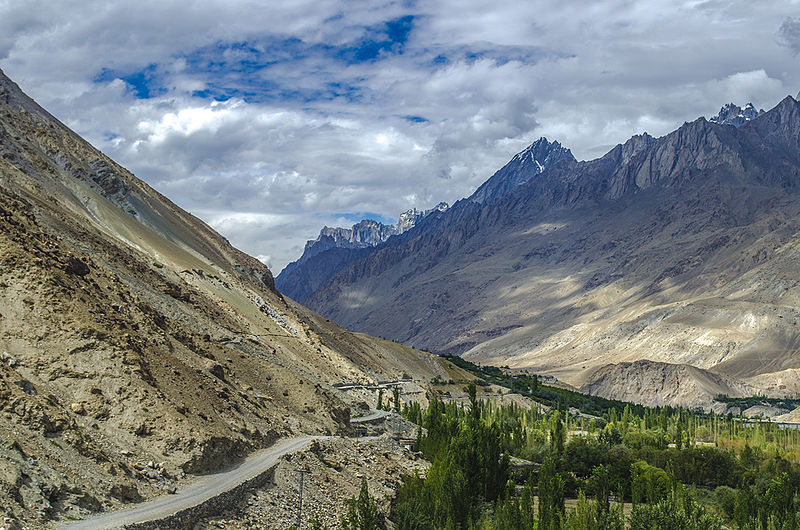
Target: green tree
[780, 498]
[601, 485]
[412, 511]
[649, 484]
[610, 435]
[508, 514]
[745, 510]
[584, 516]
[557, 433]
[446, 492]
[362, 512]
[396, 397]
[725, 497]
[474, 409]
[677, 512]
[551, 495]
[582, 454]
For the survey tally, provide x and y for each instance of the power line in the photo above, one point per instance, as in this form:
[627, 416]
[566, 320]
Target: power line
[300, 499]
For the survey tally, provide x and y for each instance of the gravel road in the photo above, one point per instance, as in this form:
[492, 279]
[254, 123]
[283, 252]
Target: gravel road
[198, 492]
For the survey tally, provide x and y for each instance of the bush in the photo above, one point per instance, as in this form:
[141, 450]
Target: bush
[648, 483]
[582, 454]
[726, 500]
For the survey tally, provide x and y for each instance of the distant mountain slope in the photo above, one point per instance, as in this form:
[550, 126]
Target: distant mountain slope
[302, 277]
[681, 249]
[525, 165]
[131, 332]
[334, 248]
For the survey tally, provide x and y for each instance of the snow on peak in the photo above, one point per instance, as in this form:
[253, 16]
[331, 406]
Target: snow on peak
[408, 219]
[732, 114]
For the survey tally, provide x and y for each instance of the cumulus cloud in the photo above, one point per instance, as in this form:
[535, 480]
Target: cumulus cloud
[790, 33]
[271, 121]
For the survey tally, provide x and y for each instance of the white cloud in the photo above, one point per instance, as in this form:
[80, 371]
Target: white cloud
[331, 138]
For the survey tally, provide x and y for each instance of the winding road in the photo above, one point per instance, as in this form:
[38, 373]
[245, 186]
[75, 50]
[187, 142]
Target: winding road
[207, 487]
[200, 491]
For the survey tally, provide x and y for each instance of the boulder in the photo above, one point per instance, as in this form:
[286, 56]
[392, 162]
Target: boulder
[215, 368]
[77, 267]
[26, 386]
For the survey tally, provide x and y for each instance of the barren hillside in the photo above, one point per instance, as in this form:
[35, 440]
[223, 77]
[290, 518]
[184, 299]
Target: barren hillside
[136, 344]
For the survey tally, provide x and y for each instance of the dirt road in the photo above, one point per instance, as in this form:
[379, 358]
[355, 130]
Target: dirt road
[200, 491]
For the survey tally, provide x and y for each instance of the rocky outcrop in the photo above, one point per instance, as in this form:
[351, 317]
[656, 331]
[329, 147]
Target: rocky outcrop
[366, 233]
[731, 114]
[410, 218]
[335, 248]
[657, 384]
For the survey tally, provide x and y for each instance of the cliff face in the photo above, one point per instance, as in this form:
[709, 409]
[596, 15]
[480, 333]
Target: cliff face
[680, 249]
[131, 332]
[366, 233]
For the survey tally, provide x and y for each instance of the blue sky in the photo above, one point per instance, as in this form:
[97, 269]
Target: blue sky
[272, 120]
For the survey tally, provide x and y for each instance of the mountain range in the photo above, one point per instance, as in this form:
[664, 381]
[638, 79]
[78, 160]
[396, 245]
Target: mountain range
[300, 278]
[680, 250]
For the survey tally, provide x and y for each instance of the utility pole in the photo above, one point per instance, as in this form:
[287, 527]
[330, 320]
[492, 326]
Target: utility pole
[300, 499]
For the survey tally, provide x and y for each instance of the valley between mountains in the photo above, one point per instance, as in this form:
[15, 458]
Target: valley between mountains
[664, 272]
[141, 355]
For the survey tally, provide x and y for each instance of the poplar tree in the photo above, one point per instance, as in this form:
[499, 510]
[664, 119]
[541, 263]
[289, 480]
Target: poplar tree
[551, 495]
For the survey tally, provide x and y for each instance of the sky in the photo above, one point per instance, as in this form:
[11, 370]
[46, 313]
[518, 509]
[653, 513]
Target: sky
[269, 120]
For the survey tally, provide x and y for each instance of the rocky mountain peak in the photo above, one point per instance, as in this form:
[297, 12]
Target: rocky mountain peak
[732, 114]
[8, 89]
[542, 152]
[365, 233]
[526, 164]
[408, 219]
[294, 281]
[13, 96]
[635, 145]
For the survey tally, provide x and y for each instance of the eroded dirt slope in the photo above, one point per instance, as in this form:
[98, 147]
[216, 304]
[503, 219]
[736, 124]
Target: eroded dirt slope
[136, 344]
